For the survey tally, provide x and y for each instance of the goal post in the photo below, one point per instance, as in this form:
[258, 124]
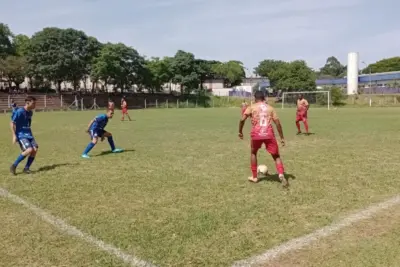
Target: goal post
[321, 98]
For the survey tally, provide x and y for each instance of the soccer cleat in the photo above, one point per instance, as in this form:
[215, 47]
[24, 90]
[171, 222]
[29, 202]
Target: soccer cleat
[253, 179]
[85, 156]
[13, 170]
[298, 133]
[284, 181]
[27, 171]
[117, 150]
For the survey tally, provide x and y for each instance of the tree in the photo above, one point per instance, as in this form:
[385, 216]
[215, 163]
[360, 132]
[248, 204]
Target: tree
[268, 68]
[232, 72]
[6, 46]
[156, 73]
[62, 55]
[384, 65]
[119, 65]
[205, 70]
[21, 44]
[333, 68]
[183, 67]
[14, 69]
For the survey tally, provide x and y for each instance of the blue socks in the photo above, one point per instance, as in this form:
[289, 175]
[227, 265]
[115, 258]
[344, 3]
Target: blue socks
[18, 160]
[111, 142]
[29, 162]
[88, 148]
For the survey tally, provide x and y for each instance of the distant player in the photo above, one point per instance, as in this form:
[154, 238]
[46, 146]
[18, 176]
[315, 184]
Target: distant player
[111, 105]
[96, 131]
[244, 106]
[124, 107]
[21, 132]
[301, 114]
[262, 115]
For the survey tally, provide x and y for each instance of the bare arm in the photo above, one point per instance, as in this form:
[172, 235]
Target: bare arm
[279, 128]
[13, 130]
[241, 124]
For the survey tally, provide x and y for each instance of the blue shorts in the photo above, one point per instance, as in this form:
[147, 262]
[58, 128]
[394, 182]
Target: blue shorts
[26, 143]
[97, 133]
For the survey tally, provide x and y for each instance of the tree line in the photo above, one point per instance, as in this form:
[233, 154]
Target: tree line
[54, 56]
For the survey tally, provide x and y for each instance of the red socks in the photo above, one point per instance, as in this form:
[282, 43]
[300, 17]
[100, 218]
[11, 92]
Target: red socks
[306, 125]
[279, 168]
[298, 126]
[254, 170]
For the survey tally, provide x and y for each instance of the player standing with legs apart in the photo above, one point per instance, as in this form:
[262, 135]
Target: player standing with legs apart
[111, 105]
[96, 131]
[262, 115]
[21, 129]
[124, 107]
[301, 114]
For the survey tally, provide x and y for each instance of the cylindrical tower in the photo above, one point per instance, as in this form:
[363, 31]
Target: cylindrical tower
[352, 73]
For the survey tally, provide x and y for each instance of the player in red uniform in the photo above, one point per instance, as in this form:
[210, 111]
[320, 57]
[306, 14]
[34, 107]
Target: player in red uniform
[262, 115]
[124, 107]
[301, 114]
[244, 107]
[111, 105]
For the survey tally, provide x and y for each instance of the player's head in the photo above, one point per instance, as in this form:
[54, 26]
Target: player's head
[30, 103]
[301, 96]
[259, 96]
[109, 100]
[110, 113]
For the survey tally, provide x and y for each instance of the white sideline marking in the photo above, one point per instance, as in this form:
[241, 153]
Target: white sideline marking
[300, 242]
[73, 231]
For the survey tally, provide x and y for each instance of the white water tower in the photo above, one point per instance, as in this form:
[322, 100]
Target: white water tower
[352, 73]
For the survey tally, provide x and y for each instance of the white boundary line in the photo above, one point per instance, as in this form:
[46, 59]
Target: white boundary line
[73, 231]
[303, 241]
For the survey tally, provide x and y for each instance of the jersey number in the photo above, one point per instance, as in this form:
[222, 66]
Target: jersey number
[263, 122]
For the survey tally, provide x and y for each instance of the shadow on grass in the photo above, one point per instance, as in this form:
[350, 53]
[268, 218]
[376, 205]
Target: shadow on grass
[104, 153]
[275, 178]
[306, 134]
[54, 166]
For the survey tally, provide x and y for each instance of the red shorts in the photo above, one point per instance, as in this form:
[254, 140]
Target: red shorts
[270, 144]
[300, 116]
[124, 111]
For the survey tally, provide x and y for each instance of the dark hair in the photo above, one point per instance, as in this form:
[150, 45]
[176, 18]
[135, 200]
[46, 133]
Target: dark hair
[30, 98]
[259, 95]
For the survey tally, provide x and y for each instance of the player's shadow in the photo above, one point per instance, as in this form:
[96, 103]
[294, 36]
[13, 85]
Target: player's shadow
[307, 134]
[105, 153]
[54, 166]
[275, 178]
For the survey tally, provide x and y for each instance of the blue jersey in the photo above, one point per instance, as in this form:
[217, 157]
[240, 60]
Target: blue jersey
[99, 122]
[14, 106]
[22, 119]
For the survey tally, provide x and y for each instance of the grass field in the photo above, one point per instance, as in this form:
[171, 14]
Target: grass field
[179, 195]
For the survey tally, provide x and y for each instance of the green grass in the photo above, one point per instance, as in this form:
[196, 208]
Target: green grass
[179, 196]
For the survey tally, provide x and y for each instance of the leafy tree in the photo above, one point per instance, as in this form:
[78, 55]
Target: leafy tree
[14, 69]
[332, 68]
[21, 44]
[119, 65]
[183, 67]
[156, 73]
[62, 55]
[6, 46]
[232, 72]
[384, 65]
[205, 70]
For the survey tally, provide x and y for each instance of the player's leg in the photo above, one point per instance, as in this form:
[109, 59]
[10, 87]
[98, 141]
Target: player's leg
[26, 149]
[129, 117]
[94, 139]
[110, 140]
[298, 119]
[305, 121]
[32, 156]
[255, 146]
[123, 114]
[273, 148]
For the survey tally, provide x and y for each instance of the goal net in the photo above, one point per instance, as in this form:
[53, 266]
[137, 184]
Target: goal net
[315, 98]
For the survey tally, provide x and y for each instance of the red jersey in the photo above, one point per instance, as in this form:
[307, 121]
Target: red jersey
[124, 104]
[262, 115]
[111, 105]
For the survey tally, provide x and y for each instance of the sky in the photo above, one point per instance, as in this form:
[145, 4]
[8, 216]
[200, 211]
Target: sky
[245, 30]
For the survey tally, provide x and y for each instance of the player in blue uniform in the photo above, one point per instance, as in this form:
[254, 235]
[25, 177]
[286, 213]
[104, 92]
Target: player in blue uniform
[21, 129]
[13, 106]
[96, 131]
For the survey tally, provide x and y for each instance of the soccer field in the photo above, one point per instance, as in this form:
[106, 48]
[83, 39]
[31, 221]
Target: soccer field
[179, 195]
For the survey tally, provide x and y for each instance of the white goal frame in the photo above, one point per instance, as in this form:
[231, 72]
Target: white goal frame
[306, 92]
